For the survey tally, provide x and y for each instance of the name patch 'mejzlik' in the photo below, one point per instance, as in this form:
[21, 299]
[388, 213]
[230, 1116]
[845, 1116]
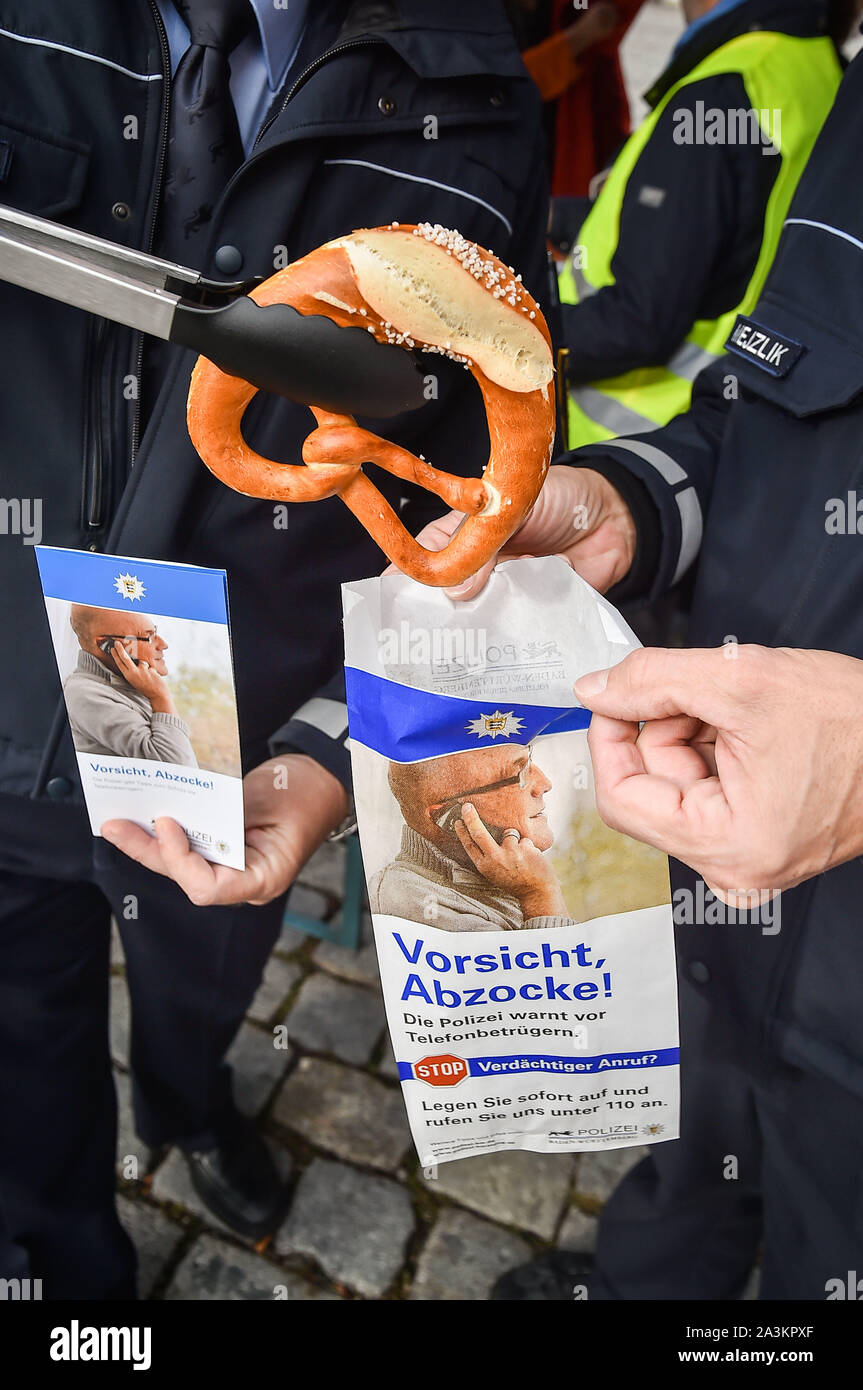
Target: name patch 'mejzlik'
[768, 350]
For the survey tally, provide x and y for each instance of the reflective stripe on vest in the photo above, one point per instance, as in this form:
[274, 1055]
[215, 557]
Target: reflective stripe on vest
[796, 78]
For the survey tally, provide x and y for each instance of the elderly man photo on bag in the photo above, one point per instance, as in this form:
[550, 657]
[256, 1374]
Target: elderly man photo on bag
[466, 867]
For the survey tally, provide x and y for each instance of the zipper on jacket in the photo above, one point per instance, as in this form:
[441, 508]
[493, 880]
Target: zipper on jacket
[94, 474]
[160, 170]
[313, 67]
[161, 160]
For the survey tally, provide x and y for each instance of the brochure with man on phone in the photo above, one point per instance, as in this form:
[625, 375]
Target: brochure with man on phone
[144, 655]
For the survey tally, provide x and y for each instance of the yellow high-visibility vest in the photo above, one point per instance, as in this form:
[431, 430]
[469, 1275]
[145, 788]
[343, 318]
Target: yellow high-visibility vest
[797, 78]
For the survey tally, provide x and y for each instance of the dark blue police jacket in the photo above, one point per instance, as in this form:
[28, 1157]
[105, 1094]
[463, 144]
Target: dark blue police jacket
[754, 481]
[348, 144]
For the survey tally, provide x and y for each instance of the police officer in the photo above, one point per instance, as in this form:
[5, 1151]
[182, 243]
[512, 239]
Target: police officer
[686, 224]
[230, 136]
[762, 482]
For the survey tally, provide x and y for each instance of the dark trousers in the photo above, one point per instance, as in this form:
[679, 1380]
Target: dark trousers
[192, 973]
[768, 1154]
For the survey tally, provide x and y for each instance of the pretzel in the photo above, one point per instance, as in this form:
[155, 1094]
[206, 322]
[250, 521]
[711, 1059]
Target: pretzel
[426, 288]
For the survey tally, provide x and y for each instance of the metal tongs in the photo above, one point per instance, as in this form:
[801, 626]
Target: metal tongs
[307, 358]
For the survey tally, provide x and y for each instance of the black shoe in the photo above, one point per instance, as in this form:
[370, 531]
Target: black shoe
[238, 1181]
[560, 1276]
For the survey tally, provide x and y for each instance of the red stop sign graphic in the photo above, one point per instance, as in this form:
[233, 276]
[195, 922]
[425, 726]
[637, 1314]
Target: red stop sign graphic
[445, 1070]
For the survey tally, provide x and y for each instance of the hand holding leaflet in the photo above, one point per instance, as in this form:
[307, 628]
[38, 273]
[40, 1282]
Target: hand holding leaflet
[286, 818]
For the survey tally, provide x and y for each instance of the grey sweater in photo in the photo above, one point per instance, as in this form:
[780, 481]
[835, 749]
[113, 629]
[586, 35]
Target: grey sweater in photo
[423, 885]
[108, 716]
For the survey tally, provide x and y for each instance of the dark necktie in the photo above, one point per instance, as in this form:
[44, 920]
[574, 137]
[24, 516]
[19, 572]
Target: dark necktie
[204, 145]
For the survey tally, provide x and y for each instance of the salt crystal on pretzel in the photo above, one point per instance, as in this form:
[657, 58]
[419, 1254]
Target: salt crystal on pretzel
[420, 287]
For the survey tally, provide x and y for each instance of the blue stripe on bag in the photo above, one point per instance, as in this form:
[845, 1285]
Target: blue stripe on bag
[407, 725]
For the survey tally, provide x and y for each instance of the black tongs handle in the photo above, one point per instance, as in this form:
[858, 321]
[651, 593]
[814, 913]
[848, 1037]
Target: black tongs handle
[307, 358]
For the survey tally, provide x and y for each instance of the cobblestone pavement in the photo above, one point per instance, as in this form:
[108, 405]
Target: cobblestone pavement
[362, 1220]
